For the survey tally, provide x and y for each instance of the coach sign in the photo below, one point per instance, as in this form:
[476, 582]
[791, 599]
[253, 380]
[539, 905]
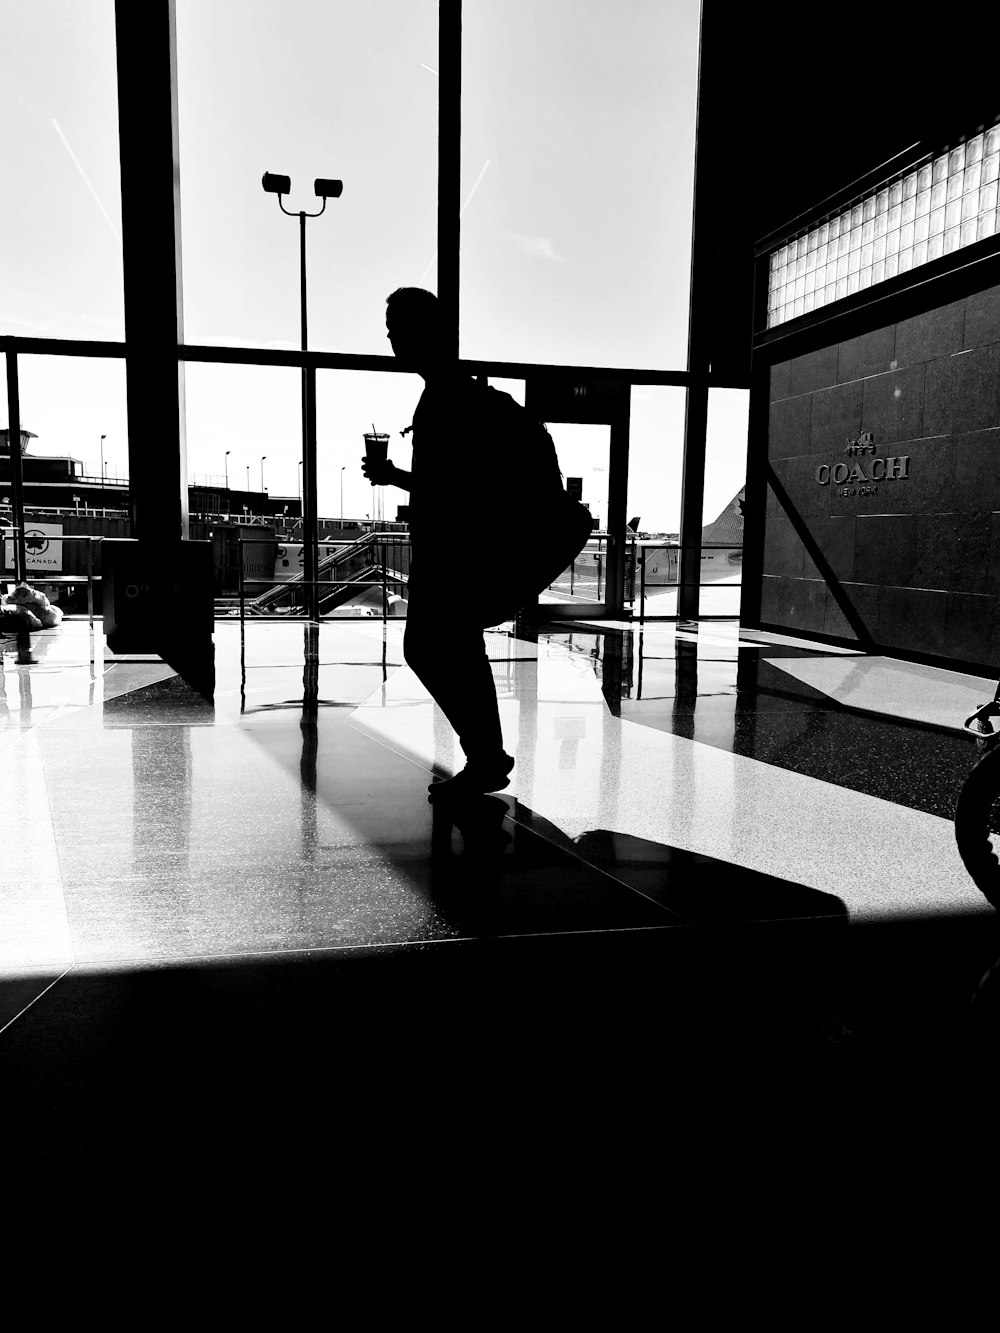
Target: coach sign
[863, 475]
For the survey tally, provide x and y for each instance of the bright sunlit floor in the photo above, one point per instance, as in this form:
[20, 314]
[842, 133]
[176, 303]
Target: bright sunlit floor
[734, 845]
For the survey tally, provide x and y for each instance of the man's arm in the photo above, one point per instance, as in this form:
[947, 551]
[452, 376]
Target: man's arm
[386, 474]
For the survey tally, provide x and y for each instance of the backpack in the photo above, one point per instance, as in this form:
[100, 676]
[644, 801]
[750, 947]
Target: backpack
[525, 449]
[528, 468]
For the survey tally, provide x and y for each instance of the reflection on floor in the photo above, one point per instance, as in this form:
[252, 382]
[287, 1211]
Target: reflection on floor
[721, 852]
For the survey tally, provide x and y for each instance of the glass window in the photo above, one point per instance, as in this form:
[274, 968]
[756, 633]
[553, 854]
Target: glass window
[301, 90]
[578, 125]
[725, 479]
[60, 233]
[656, 455]
[75, 410]
[348, 404]
[244, 431]
[911, 220]
[70, 403]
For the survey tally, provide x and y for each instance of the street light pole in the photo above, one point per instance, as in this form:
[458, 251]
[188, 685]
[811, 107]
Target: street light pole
[103, 438]
[342, 498]
[262, 457]
[225, 464]
[325, 189]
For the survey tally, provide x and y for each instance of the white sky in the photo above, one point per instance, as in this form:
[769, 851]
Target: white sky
[578, 140]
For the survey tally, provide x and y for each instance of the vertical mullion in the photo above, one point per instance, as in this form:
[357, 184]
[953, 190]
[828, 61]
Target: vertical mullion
[16, 466]
[449, 164]
[146, 50]
[699, 345]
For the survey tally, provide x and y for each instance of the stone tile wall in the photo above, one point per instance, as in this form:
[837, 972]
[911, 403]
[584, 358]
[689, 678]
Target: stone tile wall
[915, 560]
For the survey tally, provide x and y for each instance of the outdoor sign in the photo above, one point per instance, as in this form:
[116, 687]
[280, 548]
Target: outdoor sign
[42, 548]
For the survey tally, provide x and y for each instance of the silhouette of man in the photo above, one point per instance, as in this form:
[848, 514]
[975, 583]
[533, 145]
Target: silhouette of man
[452, 482]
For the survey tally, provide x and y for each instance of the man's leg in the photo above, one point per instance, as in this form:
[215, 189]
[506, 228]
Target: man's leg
[448, 656]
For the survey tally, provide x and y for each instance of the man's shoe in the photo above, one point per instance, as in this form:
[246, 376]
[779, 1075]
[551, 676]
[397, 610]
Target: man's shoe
[474, 779]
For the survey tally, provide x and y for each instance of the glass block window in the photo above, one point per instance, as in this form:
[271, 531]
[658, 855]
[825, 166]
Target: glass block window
[930, 210]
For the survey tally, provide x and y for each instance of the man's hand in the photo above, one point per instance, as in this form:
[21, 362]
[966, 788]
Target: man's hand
[379, 474]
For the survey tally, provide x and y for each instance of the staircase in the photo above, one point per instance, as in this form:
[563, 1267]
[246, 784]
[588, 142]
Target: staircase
[355, 563]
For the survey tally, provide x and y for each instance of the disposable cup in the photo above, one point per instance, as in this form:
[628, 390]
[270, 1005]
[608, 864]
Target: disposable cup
[376, 447]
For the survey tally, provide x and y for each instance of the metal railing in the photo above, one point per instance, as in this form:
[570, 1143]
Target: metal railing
[383, 561]
[286, 597]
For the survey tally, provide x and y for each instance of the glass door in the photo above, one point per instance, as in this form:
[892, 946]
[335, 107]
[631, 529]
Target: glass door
[584, 452]
[589, 422]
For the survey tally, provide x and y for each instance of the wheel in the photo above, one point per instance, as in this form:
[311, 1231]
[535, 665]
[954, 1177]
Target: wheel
[977, 825]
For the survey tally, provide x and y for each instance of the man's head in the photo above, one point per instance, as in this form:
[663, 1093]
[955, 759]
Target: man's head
[413, 321]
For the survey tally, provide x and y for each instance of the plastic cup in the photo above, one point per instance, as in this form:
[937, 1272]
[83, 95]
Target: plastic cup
[376, 447]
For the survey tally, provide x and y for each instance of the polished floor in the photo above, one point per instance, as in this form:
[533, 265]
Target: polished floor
[724, 856]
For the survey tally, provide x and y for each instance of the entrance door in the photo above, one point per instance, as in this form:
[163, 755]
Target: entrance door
[594, 462]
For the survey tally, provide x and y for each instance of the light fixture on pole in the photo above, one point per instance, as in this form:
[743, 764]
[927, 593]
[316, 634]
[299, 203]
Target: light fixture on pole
[342, 497]
[103, 438]
[325, 189]
[225, 464]
[262, 457]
